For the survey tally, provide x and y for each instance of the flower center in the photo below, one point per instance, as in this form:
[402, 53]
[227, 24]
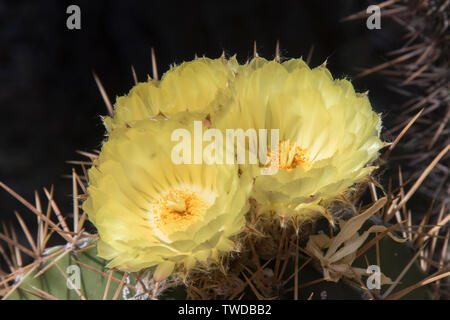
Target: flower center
[291, 155]
[176, 210]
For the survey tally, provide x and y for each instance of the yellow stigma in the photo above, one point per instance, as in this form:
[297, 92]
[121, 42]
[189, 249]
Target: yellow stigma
[176, 210]
[291, 155]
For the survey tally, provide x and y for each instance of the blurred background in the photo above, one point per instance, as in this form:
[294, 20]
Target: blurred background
[50, 105]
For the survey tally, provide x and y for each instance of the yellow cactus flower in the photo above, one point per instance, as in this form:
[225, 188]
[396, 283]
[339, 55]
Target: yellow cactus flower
[150, 211]
[154, 207]
[327, 133]
[135, 106]
[198, 86]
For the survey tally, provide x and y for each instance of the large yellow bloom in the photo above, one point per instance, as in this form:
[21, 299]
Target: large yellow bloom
[150, 211]
[137, 105]
[199, 86]
[327, 132]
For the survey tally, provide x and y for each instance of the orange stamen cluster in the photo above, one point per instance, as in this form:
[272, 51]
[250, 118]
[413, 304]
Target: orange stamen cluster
[177, 209]
[291, 155]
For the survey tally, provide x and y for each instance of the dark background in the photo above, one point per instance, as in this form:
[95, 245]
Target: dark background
[49, 102]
